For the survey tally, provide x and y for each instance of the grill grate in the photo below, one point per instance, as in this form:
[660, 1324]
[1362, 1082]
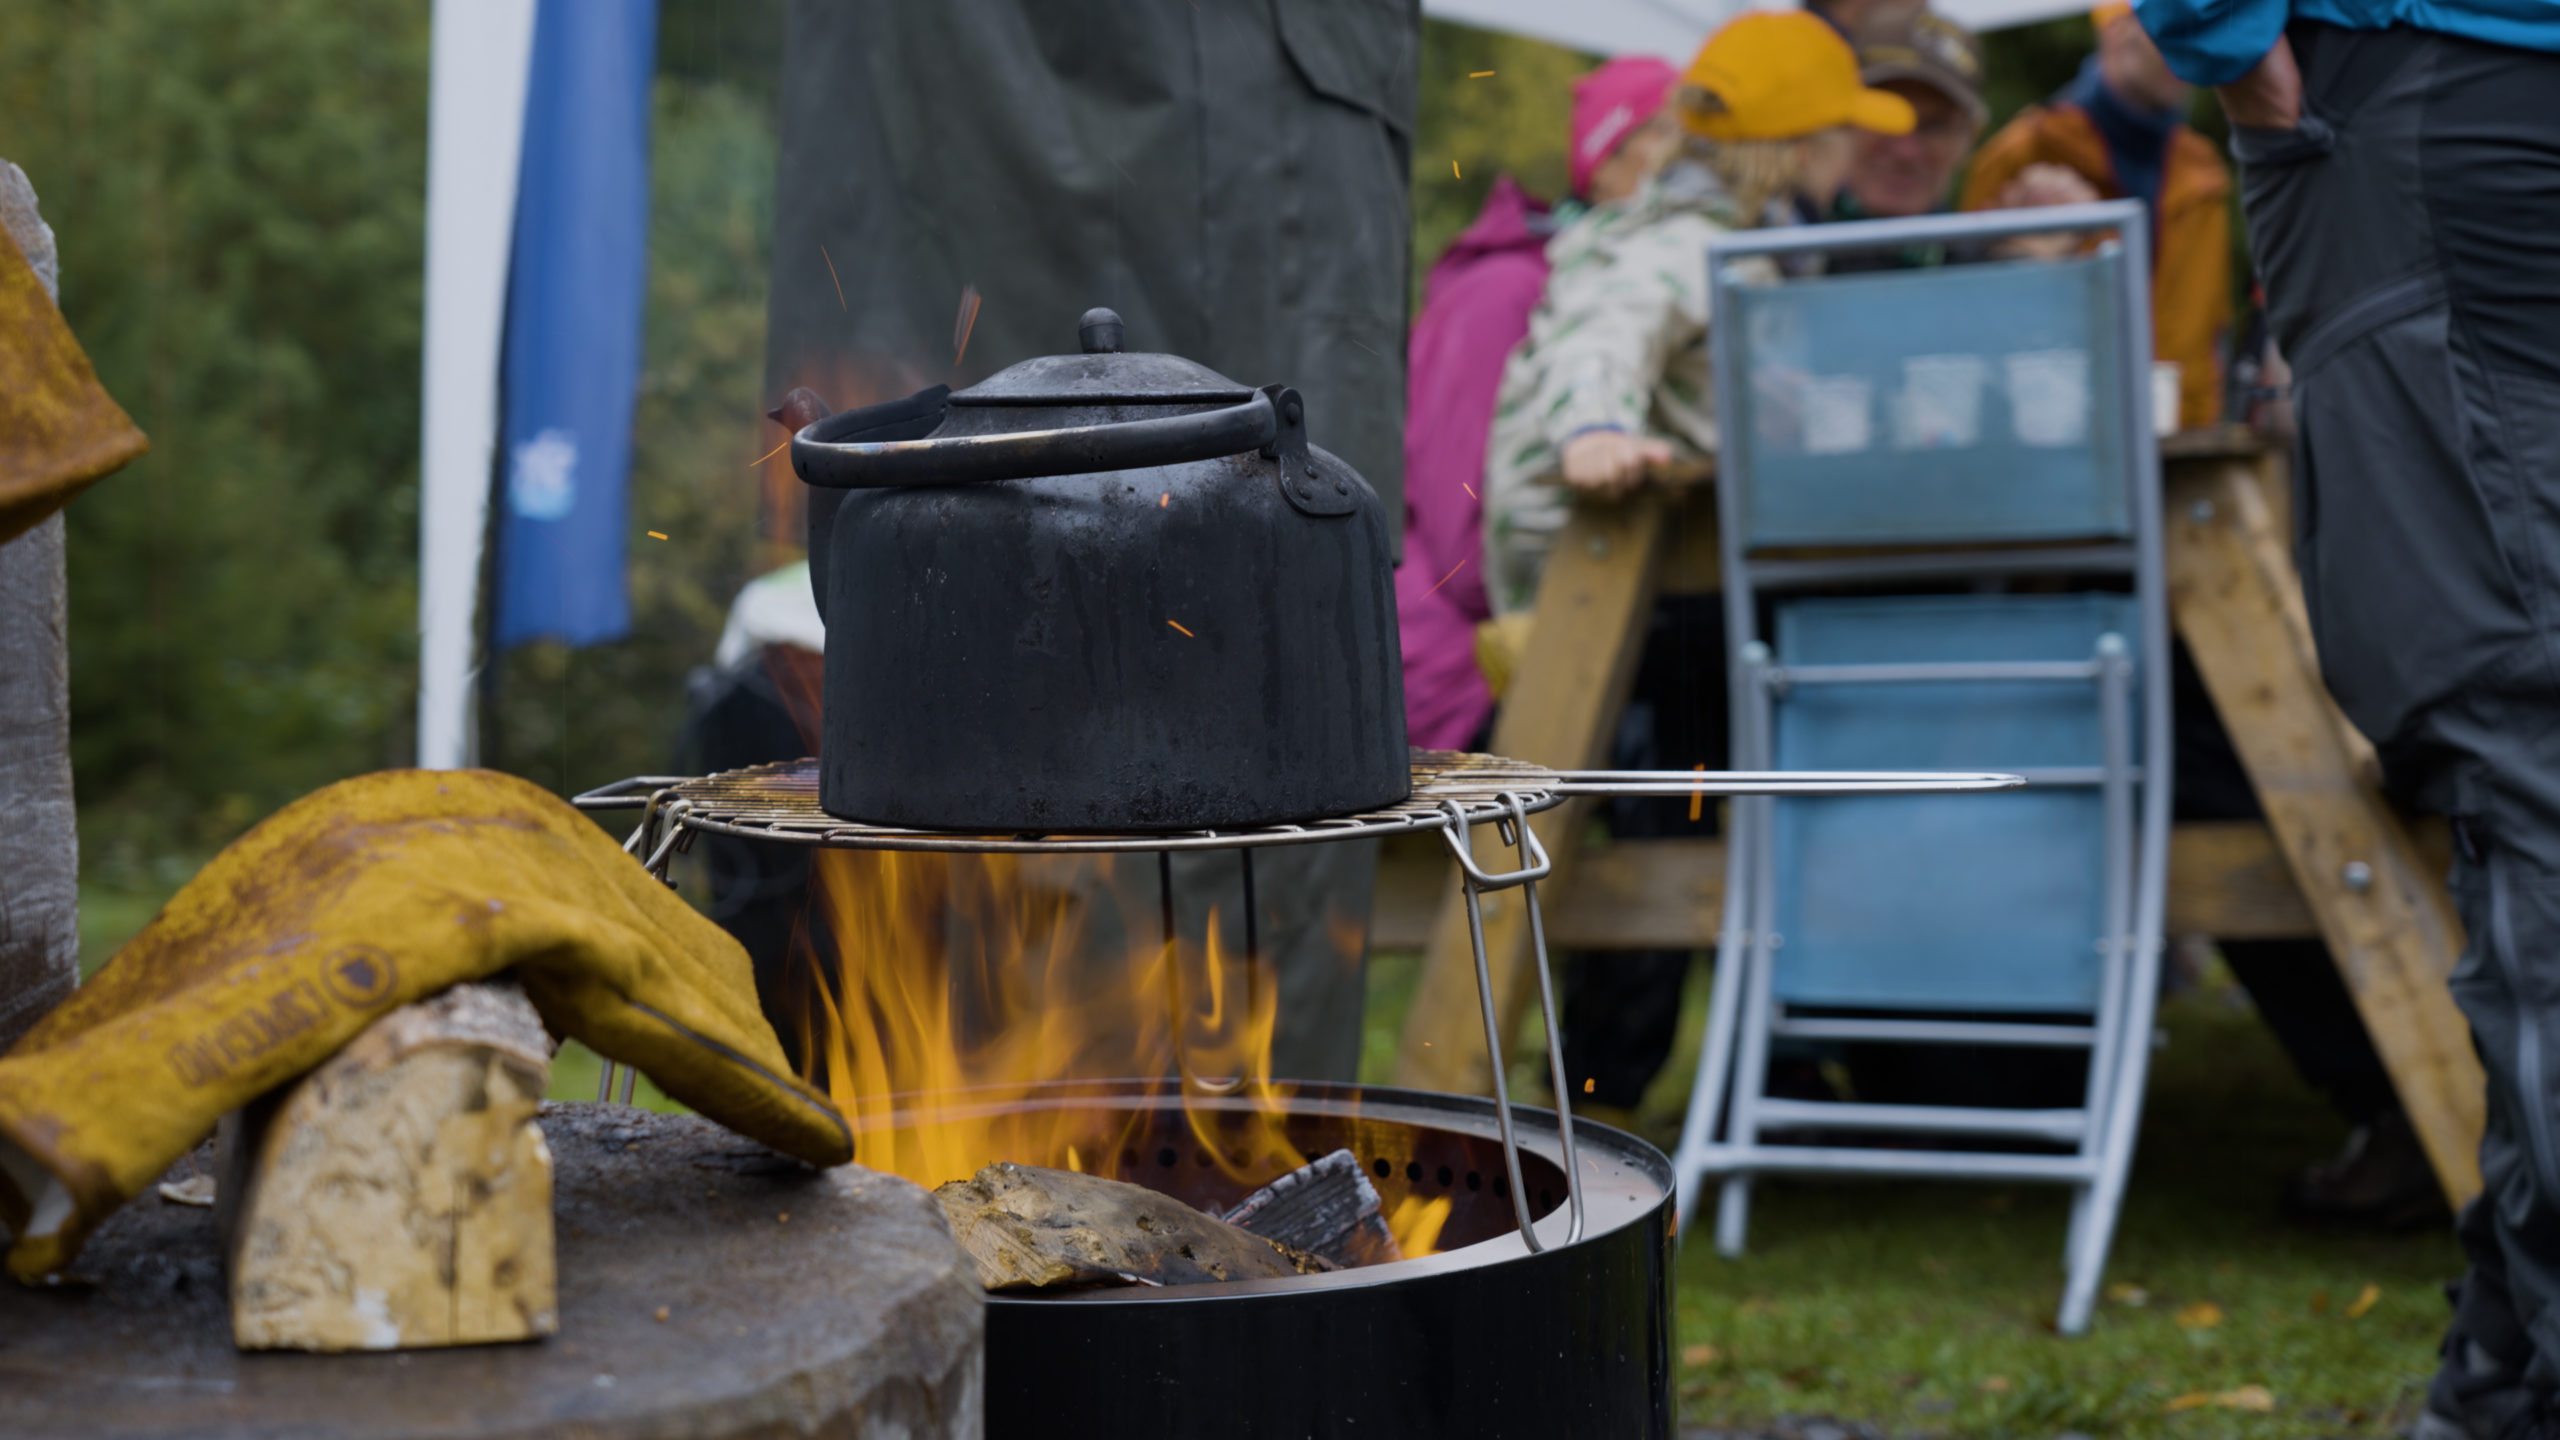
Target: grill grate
[780, 802]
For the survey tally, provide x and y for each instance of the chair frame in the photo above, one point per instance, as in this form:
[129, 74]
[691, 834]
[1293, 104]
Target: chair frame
[1721, 1136]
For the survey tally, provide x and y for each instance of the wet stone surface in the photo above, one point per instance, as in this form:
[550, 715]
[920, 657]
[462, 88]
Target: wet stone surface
[855, 1316]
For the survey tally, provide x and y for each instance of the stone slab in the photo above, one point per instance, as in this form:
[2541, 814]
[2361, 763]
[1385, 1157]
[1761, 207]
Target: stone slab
[855, 1317]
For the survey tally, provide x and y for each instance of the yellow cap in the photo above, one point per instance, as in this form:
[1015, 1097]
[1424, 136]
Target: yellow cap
[2102, 16]
[1781, 75]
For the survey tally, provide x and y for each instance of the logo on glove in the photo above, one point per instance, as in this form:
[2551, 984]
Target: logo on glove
[354, 978]
[359, 975]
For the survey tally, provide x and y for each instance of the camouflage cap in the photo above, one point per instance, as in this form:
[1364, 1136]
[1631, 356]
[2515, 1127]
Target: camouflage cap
[1922, 45]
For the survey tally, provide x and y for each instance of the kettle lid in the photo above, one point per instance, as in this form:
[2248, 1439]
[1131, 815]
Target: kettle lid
[1103, 374]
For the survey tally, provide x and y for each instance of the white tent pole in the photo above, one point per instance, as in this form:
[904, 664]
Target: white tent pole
[475, 124]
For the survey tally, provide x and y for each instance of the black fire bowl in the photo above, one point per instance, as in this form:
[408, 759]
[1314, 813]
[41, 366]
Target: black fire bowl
[1482, 1340]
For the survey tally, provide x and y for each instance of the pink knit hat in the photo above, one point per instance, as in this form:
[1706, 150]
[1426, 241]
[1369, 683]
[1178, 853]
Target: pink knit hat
[1608, 105]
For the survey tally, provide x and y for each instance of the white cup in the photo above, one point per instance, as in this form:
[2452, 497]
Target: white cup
[2165, 375]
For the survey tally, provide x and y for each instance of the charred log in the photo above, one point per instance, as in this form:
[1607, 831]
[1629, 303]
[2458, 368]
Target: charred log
[1325, 1207]
[1030, 1228]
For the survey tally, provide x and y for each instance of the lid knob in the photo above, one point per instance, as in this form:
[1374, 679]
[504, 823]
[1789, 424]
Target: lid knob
[1099, 332]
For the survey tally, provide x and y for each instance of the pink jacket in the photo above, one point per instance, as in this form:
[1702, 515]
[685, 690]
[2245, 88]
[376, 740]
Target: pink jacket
[1475, 308]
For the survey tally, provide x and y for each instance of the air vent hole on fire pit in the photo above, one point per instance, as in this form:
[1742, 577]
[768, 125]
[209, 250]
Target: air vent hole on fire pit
[1448, 1177]
[1384, 1169]
[1413, 1171]
[1474, 1181]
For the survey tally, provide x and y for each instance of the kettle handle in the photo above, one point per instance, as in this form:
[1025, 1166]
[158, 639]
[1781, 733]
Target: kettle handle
[1256, 424]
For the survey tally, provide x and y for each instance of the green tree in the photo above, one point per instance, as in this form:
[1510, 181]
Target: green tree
[1515, 121]
[238, 193]
[240, 196]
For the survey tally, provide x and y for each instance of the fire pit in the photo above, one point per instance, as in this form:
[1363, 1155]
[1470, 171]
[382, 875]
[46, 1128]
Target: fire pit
[1536, 1296]
[1481, 1337]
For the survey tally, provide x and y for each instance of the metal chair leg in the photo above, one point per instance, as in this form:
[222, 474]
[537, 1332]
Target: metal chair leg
[1733, 1216]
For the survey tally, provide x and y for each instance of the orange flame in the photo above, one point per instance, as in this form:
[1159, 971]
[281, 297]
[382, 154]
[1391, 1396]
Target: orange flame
[974, 973]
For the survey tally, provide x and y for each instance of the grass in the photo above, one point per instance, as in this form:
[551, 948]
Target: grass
[1926, 1308]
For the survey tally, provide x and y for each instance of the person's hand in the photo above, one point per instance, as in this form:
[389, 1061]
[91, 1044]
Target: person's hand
[1610, 462]
[2268, 97]
[2045, 183]
[2041, 184]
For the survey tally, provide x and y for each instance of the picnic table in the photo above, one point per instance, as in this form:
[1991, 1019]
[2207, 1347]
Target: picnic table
[2333, 857]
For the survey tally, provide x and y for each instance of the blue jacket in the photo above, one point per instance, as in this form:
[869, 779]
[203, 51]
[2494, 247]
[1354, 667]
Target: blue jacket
[2214, 42]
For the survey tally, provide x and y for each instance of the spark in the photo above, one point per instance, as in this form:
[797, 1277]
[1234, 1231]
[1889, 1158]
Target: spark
[1470, 489]
[966, 321]
[1164, 500]
[1176, 624]
[1590, 1083]
[1445, 579]
[769, 454]
[1479, 74]
[657, 535]
[1453, 170]
[831, 274]
[1698, 797]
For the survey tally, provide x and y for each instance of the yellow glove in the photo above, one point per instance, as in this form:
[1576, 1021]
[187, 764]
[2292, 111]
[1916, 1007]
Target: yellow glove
[59, 431]
[353, 900]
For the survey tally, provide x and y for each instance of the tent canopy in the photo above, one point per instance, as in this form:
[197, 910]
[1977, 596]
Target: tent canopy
[1674, 29]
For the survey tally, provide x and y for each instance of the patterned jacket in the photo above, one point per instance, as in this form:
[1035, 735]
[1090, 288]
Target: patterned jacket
[1618, 343]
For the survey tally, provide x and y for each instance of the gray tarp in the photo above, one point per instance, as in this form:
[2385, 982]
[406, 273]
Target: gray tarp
[1230, 175]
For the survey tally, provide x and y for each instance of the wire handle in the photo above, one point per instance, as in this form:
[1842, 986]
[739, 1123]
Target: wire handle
[1535, 865]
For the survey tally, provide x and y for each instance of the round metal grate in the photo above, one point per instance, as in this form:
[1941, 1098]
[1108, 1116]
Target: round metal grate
[780, 802]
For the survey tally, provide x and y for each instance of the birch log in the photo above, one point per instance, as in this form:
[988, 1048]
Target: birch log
[399, 1196]
[39, 848]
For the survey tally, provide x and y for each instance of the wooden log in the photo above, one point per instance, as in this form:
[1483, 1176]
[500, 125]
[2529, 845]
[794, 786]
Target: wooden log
[1593, 605]
[1326, 1207]
[399, 1197]
[40, 844]
[2381, 904]
[1033, 1228]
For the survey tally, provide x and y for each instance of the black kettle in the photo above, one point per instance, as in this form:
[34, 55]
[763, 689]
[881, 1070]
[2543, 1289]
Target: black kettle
[1100, 592]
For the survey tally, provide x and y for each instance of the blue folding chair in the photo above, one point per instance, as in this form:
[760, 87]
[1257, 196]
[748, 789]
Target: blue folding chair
[1967, 424]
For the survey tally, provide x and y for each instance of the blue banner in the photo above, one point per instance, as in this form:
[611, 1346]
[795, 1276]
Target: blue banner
[576, 288]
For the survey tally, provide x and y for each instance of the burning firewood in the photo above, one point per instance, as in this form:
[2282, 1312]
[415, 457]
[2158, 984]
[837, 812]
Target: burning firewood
[400, 1195]
[1325, 1207]
[1030, 1228]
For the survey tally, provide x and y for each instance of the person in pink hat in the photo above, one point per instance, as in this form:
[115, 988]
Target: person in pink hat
[1475, 308]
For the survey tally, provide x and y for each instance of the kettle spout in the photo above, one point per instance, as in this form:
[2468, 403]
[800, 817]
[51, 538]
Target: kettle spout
[799, 410]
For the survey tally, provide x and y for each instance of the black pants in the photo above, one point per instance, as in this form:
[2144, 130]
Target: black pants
[1621, 1009]
[2409, 232]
